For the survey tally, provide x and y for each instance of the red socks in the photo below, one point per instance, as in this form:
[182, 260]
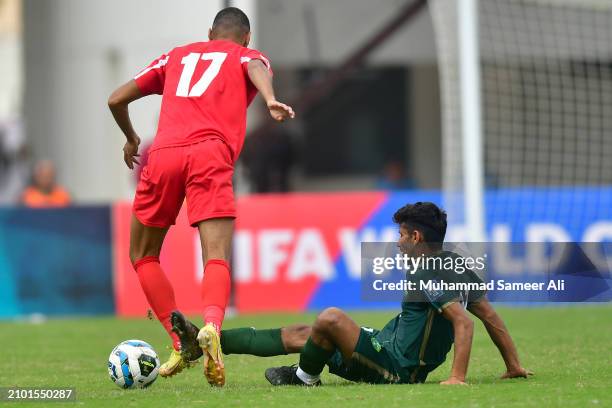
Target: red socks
[215, 291]
[158, 291]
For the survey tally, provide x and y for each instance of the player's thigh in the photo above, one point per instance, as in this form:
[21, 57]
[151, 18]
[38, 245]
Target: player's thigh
[161, 189]
[216, 236]
[145, 241]
[335, 326]
[209, 186]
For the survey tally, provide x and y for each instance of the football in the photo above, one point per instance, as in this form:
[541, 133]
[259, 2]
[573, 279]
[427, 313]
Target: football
[133, 364]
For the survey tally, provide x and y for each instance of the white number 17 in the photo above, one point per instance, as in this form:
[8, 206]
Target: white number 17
[190, 61]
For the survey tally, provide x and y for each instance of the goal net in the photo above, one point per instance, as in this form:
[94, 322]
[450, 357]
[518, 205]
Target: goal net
[545, 73]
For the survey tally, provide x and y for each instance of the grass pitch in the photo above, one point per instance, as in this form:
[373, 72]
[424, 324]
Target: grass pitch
[570, 350]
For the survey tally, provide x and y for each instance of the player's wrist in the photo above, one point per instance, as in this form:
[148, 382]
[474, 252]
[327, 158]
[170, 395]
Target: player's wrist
[132, 138]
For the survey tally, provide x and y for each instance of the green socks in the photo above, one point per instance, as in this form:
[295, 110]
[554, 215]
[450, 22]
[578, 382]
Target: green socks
[313, 358]
[248, 340]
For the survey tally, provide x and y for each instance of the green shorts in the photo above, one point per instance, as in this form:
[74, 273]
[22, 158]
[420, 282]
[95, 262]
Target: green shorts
[370, 363]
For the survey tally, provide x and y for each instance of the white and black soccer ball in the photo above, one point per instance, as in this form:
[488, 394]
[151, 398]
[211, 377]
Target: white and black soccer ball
[133, 364]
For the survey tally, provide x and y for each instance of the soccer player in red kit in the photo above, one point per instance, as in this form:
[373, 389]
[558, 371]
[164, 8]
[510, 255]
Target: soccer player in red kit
[206, 88]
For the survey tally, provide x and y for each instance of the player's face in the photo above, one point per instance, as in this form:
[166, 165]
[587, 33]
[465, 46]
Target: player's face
[411, 241]
[407, 240]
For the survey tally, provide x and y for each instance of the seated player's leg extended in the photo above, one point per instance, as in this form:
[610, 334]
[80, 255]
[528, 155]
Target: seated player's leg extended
[334, 336]
[265, 342]
[243, 340]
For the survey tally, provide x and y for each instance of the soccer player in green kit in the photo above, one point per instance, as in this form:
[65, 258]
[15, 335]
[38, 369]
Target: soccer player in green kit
[408, 348]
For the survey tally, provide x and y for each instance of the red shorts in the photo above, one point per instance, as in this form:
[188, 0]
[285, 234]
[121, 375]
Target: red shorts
[202, 172]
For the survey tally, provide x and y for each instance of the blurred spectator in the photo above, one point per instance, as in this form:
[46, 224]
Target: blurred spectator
[269, 158]
[394, 177]
[44, 192]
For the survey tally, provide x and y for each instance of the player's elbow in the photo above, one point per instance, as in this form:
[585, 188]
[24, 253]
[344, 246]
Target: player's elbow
[122, 96]
[115, 100]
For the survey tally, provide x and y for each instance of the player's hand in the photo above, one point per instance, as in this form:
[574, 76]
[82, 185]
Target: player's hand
[517, 373]
[130, 152]
[279, 111]
[453, 381]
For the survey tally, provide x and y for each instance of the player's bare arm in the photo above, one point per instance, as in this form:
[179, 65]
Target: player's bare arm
[262, 79]
[118, 104]
[463, 328]
[501, 338]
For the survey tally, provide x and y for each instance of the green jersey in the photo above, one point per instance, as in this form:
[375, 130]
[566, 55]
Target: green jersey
[418, 339]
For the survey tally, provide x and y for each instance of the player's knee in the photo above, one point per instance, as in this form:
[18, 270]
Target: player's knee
[328, 320]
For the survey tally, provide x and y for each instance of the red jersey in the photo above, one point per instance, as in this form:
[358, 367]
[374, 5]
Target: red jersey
[206, 91]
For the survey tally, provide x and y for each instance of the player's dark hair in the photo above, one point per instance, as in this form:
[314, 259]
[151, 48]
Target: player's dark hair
[232, 19]
[425, 217]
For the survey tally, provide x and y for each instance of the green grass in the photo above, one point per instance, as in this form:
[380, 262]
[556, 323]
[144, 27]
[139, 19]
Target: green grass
[570, 350]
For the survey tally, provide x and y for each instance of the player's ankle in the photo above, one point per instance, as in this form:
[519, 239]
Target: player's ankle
[216, 325]
[308, 379]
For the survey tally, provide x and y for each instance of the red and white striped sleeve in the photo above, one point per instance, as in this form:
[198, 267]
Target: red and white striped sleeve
[151, 79]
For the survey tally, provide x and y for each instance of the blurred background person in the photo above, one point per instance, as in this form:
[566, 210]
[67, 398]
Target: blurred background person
[44, 191]
[269, 159]
[393, 177]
